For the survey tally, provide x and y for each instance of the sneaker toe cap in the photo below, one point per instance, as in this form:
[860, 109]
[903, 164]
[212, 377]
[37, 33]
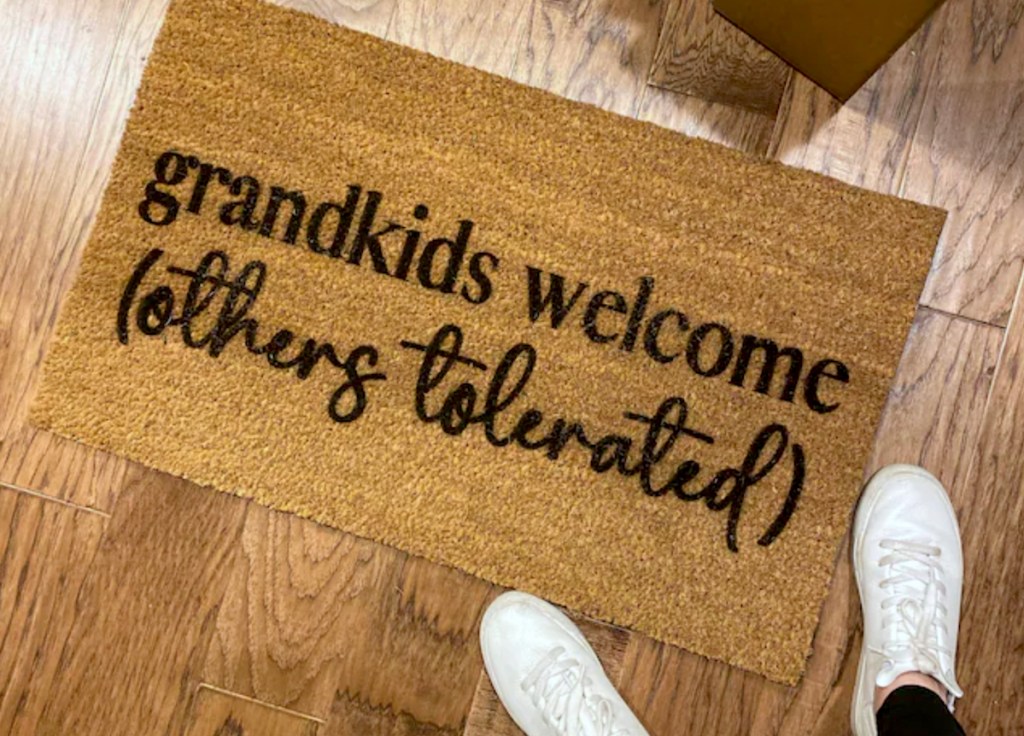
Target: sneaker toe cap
[517, 632]
[908, 503]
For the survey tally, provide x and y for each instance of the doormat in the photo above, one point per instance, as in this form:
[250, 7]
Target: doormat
[571, 353]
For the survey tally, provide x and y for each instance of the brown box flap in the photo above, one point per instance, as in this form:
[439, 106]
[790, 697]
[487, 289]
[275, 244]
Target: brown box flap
[839, 44]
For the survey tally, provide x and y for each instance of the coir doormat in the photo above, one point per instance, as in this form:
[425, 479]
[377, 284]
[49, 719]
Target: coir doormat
[571, 353]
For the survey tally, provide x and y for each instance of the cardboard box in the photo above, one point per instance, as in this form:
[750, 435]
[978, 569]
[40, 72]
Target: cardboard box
[839, 44]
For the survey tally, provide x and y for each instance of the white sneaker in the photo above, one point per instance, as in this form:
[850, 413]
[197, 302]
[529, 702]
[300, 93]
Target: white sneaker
[909, 568]
[546, 674]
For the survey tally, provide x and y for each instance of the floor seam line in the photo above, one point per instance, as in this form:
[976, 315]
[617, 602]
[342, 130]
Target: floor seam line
[964, 317]
[47, 497]
[257, 701]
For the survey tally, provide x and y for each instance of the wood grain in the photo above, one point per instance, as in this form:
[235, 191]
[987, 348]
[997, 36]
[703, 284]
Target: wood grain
[62, 123]
[146, 611]
[48, 109]
[312, 614]
[730, 126]
[594, 51]
[702, 113]
[968, 157]
[702, 54]
[216, 713]
[935, 409]
[66, 93]
[484, 35]
[292, 605]
[865, 142]
[353, 717]
[58, 467]
[991, 507]
[369, 16]
[676, 692]
[45, 550]
[942, 123]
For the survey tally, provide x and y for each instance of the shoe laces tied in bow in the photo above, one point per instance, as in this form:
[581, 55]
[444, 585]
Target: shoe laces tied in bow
[915, 613]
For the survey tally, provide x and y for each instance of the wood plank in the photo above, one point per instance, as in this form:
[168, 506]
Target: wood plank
[45, 463]
[369, 16]
[594, 51]
[145, 614]
[351, 716]
[45, 551]
[991, 508]
[217, 713]
[66, 93]
[49, 83]
[968, 157]
[865, 142]
[941, 123]
[932, 418]
[483, 35]
[488, 716]
[730, 126]
[313, 617]
[937, 403]
[299, 597]
[700, 53]
[675, 692]
[430, 659]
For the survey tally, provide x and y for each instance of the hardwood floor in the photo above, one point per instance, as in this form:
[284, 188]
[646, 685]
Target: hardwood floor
[702, 54]
[133, 602]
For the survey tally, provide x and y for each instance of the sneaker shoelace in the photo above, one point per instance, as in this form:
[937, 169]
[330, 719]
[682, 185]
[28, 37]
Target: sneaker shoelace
[561, 689]
[915, 611]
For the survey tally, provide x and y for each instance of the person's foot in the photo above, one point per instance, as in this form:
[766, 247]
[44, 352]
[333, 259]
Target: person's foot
[909, 569]
[546, 674]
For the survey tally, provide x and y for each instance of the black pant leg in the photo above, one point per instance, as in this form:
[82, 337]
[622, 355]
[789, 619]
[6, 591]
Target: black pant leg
[916, 711]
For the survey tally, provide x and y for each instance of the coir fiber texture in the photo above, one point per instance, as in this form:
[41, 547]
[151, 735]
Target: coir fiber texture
[571, 353]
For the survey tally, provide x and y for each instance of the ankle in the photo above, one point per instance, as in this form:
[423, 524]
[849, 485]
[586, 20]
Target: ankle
[910, 678]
